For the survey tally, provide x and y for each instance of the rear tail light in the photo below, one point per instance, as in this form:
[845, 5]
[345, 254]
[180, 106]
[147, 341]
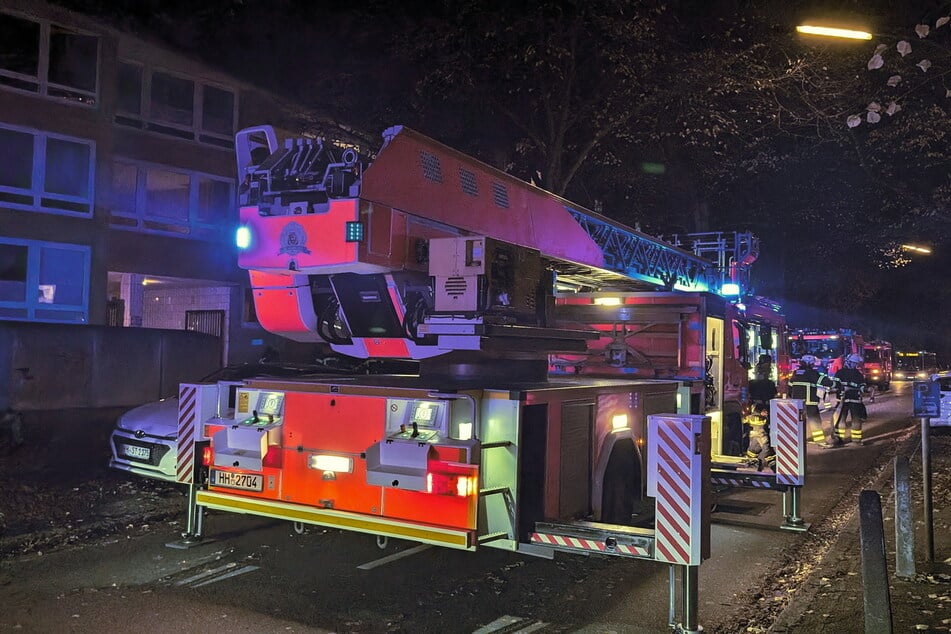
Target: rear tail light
[207, 455]
[450, 484]
[273, 458]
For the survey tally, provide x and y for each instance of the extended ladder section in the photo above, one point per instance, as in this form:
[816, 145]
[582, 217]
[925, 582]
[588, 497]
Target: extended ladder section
[647, 259]
[414, 179]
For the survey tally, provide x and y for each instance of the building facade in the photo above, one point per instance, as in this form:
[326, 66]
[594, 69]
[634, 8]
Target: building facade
[117, 181]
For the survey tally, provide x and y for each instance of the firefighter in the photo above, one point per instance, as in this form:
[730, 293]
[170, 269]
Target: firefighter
[759, 453]
[852, 413]
[804, 384]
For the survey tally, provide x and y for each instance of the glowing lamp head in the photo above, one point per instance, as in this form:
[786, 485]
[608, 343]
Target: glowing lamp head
[619, 422]
[331, 463]
[242, 237]
[730, 289]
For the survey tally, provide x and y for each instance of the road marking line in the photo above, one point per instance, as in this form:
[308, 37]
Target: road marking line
[390, 558]
[511, 625]
[205, 574]
[233, 573]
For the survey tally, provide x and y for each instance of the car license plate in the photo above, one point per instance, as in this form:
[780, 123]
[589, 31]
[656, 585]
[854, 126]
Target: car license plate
[134, 451]
[231, 480]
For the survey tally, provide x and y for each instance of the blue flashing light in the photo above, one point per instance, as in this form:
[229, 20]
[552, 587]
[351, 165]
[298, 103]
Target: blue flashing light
[354, 231]
[730, 289]
[242, 237]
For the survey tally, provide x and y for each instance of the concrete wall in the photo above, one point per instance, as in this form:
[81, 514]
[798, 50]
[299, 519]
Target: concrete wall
[55, 366]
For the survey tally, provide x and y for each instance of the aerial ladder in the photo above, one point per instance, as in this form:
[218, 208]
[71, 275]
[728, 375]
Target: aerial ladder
[425, 253]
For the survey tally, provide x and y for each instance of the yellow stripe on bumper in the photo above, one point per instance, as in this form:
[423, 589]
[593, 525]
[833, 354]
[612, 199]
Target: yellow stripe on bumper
[337, 519]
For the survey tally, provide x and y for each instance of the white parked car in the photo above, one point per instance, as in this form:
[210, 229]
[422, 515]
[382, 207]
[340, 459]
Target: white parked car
[145, 439]
[944, 380]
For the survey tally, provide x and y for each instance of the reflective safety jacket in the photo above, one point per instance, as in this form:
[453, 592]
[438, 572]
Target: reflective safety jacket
[805, 383]
[756, 421]
[851, 384]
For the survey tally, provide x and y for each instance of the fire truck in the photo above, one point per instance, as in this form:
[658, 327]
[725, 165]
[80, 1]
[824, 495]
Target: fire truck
[877, 364]
[830, 347]
[425, 253]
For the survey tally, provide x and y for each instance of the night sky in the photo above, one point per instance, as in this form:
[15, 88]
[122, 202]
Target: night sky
[694, 115]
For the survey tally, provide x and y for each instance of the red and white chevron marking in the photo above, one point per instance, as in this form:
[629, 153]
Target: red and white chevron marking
[733, 482]
[789, 446]
[588, 544]
[674, 523]
[187, 426]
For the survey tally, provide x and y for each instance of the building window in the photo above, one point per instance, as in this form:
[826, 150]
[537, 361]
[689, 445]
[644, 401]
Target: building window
[177, 106]
[161, 199]
[44, 281]
[166, 194]
[217, 111]
[46, 172]
[172, 100]
[48, 59]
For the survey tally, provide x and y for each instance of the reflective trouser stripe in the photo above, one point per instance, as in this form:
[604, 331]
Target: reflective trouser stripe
[818, 436]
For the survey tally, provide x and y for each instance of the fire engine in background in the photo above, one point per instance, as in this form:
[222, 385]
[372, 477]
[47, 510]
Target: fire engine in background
[830, 347]
[431, 255]
[877, 365]
[915, 365]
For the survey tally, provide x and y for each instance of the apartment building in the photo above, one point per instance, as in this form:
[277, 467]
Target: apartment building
[117, 181]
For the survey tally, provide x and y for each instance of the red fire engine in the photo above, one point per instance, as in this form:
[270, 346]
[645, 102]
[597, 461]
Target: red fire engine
[877, 364]
[830, 347]
[570, 368]
[428, 254]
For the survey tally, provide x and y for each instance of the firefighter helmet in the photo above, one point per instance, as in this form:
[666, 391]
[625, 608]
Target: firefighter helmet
[853, 360]
[808, 359]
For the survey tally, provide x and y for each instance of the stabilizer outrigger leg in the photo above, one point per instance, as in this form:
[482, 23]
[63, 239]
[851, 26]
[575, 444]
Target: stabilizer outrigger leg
[193, 535]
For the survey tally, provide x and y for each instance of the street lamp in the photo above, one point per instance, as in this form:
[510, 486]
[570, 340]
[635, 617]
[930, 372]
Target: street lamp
[829, 31]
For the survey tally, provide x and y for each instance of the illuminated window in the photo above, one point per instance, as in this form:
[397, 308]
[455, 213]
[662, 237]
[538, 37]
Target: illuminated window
[46, 172]
[44, 281]
[49, 60]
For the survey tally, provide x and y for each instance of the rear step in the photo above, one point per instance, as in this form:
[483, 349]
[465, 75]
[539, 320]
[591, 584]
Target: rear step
[594, 537]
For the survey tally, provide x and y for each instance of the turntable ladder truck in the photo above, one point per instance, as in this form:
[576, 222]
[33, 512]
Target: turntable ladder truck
[425, 253]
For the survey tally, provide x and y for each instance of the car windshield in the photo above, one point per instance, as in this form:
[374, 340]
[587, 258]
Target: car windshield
[945, 384]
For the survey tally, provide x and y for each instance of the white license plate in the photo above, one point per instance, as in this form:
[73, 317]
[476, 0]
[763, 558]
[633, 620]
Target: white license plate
[134, 451]
[243, 481]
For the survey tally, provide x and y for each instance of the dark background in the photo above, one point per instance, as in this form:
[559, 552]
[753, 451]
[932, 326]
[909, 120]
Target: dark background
[684, 116]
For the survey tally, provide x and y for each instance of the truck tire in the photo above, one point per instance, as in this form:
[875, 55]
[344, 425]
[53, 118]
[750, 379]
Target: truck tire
[621, 491]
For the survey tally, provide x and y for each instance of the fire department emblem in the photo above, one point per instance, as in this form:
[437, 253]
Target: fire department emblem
[293, 240]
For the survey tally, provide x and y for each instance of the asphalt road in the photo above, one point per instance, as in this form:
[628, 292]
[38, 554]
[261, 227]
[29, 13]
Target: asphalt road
[258, 575]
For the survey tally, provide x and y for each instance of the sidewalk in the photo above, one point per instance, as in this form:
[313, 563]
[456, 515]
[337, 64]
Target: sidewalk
[832, 599]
